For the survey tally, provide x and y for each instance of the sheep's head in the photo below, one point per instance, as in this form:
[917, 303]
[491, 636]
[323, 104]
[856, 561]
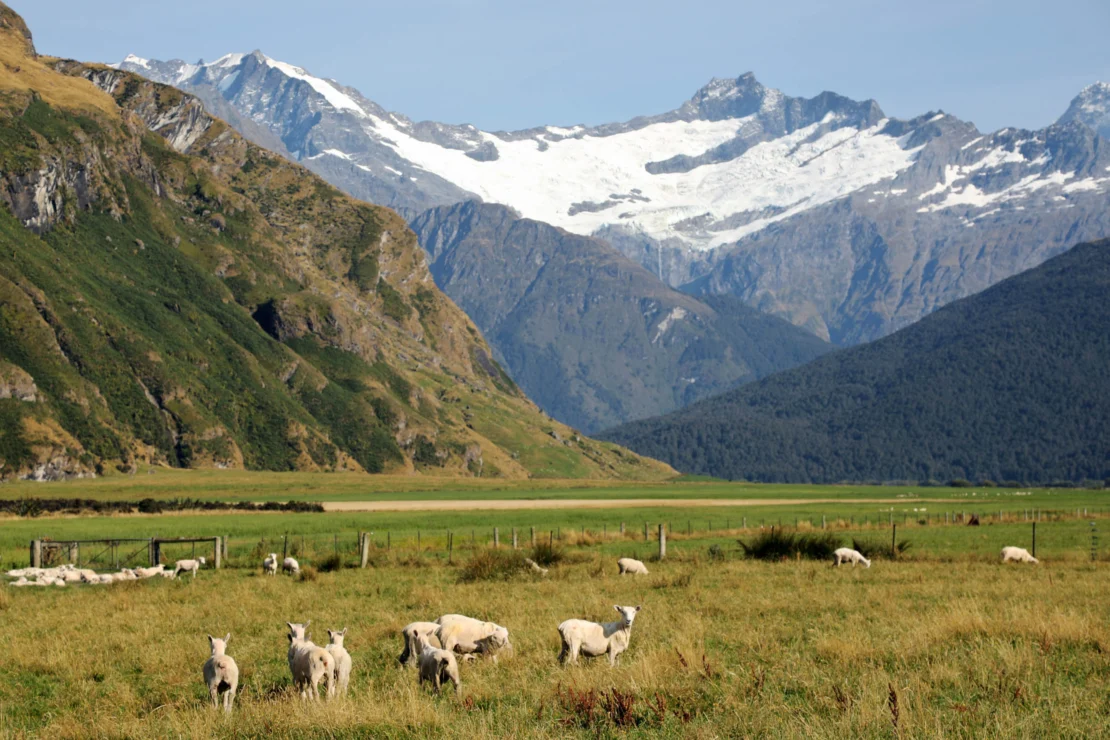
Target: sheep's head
[421, 642]
[219, 646]
[628, 614]
[201, 560]
[866, 563]
[337, 636]
[297, 632]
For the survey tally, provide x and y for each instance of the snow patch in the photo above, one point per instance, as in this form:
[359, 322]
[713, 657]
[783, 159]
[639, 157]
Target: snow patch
[338, 100]
[677, 314]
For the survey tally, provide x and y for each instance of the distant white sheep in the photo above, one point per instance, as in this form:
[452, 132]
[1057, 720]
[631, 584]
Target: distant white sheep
[221, 674]
[437, 666]
[309, 663]
[630, 565]
[411, 653]
[291, 566]
[467, 635]
[1017, 555]
[848, 555]
[269, 565]
[535, 566]
[188, 566]
[592, 639]
[342, 674]
[154, 570]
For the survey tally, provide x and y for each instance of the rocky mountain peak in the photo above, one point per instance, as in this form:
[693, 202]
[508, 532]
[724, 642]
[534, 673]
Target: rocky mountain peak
[1091, 107]
[725, 98]
[9, 19]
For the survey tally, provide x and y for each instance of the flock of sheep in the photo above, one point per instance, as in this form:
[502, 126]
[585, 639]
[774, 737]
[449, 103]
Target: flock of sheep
[62, 574]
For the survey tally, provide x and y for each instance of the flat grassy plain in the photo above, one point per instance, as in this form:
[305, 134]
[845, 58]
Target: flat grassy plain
[943, 642]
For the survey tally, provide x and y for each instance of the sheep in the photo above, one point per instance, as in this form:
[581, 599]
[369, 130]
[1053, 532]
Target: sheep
[409, 632]
[592, 639]
[168, 574]
[188, 566]
[309, 663]
[21, 582]
[290, 565]
[150, 572]
[220, 673]
[629, 565]
[269, 565]
[1017, 555]
[342, 659]
[535, 566]
[848, 555]
[465, 635]
[108, 578]
[437, 665]
[125, 574]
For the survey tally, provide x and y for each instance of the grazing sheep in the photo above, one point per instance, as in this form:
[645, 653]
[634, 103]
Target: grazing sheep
[437, 666]
[592, 639]
[535, 566]
[629, 565]
[187, 566]
[1017, 555]
[342, 674]
[466, 635]
[151, 571]
[220, 673]
[848, 555]
[309, 663]
[269, 565]
[410, 655]
[290, 565]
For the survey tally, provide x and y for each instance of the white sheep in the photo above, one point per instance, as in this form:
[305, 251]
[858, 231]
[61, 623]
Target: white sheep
[290, 565]
[466, 635]
[309, 663]
[848, 555]
[630, 565]
[342, 674]
[21, 582]
[1017, 555]
[188, 566]
[150, 572]
[535, 566]
[125, 574]
[269, 565]
[107, 578]
[220, 673]
[437, 666]
[592, 639]
[411, 653]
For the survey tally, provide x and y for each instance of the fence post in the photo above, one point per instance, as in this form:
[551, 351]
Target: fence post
[745, 523]
[662, 542]
[622, 529]
[496, 538]
[218, 542]
[284, 546]
[388, 540]
[514, 538]
[893, 537]
[364, 549]
[1034, 538]
[150, 553]
[450, 545]
[226, 538]
[823, 521]
[532, 535]
[645, 532]
[36, 553]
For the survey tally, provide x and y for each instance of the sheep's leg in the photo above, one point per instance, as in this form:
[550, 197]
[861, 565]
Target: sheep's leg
[564, 651]
[438, 681]
[574, 647]
[231, 695]
[214, 693]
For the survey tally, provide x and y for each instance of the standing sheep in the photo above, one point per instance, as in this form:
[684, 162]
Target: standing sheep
[629, 565]
[291, 566]
[411, 653]
[220, 673]
[592, 639]
[342, 675]
[188, 566]
[1017, 555]
[466, 635]
[848, 555]
[437, 665]
[269, 565]
[309, 663]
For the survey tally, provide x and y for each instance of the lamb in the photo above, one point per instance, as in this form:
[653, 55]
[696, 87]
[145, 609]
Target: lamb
[220, 673]
[21, 582]
[150, 572]
[342, 674]
[848, 555]
[410, 655]
[535, 566]
[1017, 555]
[437, 665]
[629, 565]
[290, 565]
[269, 565]
[125, 574]
[592, 639]
[466, 635]
[309, 663]
[188, 566]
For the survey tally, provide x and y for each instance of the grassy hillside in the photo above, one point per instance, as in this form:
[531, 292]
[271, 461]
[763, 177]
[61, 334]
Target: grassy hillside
[172, 294]
[1007, 385]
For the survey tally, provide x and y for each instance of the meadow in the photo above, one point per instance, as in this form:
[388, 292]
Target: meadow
[943, 641]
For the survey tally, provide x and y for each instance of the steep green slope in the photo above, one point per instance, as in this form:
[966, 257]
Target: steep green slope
[172, 294]
[1009, 384]
[592, 337]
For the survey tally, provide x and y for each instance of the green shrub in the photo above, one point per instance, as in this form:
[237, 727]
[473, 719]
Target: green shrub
[872, 549]
[307, 574]
[776, 544]
[546, 554]
[492, 565]
[331, 563]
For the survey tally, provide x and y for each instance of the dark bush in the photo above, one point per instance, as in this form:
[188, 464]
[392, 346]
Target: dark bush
[331, 563]
[546, 554]
[872, 549]
[776, 544]
[492, 565]
[28, 507]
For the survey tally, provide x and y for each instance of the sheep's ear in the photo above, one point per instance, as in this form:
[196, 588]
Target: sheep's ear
[638, 608]
[307, 622]
[290, 624]
[343, 632]
[617, 609]
[331, 635]
[227, 639]
[210, 639]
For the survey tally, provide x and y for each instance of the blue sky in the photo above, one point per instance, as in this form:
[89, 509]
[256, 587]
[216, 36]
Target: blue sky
[509, 65]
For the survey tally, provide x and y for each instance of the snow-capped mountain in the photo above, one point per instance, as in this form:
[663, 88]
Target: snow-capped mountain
[822, 210]
[1091, 108]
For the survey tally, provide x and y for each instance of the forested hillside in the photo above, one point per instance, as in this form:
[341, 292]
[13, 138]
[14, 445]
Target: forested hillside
[1007, 385]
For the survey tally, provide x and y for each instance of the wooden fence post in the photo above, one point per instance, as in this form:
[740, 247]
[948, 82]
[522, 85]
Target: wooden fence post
[36, 553]
[645, 532]
[450, 545]
[532, 535]
[514, 538]
[218, 542]
[622, 529]
[364, 549]
[662, 542]
[893, 547]
[496, 537]
[1034, 553]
